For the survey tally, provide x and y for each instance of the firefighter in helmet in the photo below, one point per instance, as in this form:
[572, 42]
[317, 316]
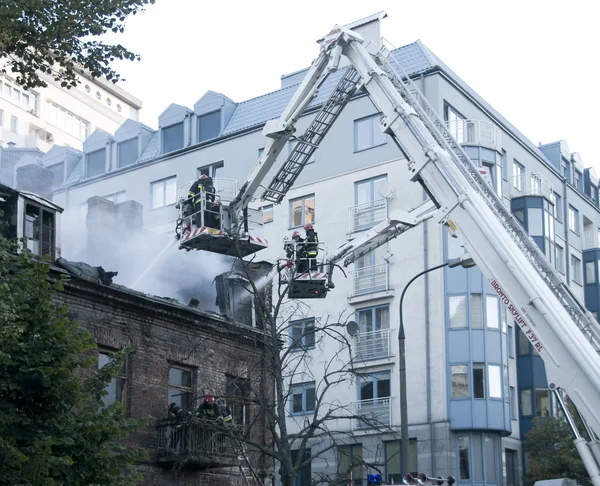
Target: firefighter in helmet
[311, 246]
[212, 215]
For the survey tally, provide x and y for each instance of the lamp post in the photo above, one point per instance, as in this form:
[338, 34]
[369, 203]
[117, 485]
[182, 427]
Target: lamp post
[466, 262]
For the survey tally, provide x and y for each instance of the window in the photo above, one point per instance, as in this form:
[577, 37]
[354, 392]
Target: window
[374, 386]
[526, 409]
[116, 389]
[302, 211]
[267, 213]
[578, 183]
[292, 144]
[490, 458]
[14, 124]
[590, 273]
[117, 197]
[460, 381]
[492, 317]
[127, 152]
[95, 163]
[477, 458]
[213, 170]
[260, 152]
[302, 334]
[59, 174]
[463, 457]
[393, 452]
[559, 259]
[350, 463]
[523, 344]
[557, 209]
[1, 118]
[209, 126]
[302, 398]
[512, 471]
[511, 342]
[575, 269]
[367, 133]
[172, 138]
[371, 206]
[573, 219]
[373, 343]
[513, 403]
[478, 380]
[495, 381]
[164, 192]
[455, 123]
[39, 230]
[542, 402]
[518, 175]
[67, 121]
[238, 391]
[27, 100]
[180, 387]
[506, 384]
[476, 307]
[457, 305]
[304, 474]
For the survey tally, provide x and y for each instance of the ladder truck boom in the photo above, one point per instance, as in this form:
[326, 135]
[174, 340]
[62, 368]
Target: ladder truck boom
[563, 332]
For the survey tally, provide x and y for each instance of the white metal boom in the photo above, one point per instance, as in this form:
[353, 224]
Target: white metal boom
[559, 327]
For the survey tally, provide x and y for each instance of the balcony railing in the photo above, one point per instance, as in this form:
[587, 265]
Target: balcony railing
[203, 443]
[371, 279]
[590, 240]
[372, 345]
[374, 413]
[530, 184]
[367, 215]
[476, 132]
[226, 189]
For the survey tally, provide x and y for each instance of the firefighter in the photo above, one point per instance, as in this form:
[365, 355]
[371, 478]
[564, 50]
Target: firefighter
[210, 409]
[177, 416]
[225, 410]
[311, 246]
[212, 215]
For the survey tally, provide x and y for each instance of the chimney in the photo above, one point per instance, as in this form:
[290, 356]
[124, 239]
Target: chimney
[35, 178]
[130, 215]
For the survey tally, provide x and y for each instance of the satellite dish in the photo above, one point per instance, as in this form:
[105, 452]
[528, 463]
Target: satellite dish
[386, 190]
[352, 328]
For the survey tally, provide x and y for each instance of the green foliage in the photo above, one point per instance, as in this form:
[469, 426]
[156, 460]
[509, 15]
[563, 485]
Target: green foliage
[552, 453]
[53, 430]
[56, 37]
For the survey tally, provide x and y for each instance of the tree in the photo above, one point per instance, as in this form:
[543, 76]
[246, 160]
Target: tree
[58, 38]
[552, 453]
[54, 428]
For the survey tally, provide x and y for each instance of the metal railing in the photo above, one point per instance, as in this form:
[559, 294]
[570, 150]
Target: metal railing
[198, 441]
[373, 345]
[366, 215]
[226, 189]
[476, 132]
[374, 413]
[590, 240]
[371, 279]
[530, 184]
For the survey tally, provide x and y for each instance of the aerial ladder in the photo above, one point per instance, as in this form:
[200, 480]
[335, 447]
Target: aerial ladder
[564, 333]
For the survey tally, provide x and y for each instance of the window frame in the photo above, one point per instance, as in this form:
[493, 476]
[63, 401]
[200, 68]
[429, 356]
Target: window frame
[189, 390]
[517, 172]
[121, 375]
[205, 115]
[372, 128]
[303, 206]
[466, 312]
[113, 197]
[262, 210]
[210, 169]
[465, 373]
[574, 225]
[120, 144]
[576, 272]
[303, 324]
[164, 182]
[38, 225]
[162, 137]
[480, 366]
[304, 386]
[459, 132]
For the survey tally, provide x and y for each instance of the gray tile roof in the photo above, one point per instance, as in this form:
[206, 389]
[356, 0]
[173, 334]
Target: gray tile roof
[151, 150]
[76, 174]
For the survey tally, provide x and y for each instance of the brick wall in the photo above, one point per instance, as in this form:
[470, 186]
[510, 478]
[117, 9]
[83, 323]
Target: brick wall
[165, 334]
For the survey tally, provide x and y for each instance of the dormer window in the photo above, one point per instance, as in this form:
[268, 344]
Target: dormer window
[127, 152]
[39, 230]
[209, 126]
[59, 174]
[172, 137]
[96, 163]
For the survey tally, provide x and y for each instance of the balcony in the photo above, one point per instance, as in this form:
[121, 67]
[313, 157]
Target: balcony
[590, 239]
[372, 414]
[368, 280]
[200, 443]
[476, 132]
[366, 215]
[372, 345]
[530, 184]
[226, 189]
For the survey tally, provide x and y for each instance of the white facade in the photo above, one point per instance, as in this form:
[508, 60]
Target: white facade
[43, 117]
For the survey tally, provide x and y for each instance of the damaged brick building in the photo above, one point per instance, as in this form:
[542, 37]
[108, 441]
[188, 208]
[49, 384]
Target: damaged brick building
[181, 352]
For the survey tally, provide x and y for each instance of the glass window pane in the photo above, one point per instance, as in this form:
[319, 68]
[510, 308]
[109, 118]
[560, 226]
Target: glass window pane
[297, 401]
[477, 458]
[96, 163]
[383, 385]
[490, 459]
[158, 194]
[267, 212]
[309, 210]
[310, 398]
[460, 381]
[491, 312]
[362, 133]
[458, 310]
[542, 402]
[171, 191]
[127, 152]
[534, 222]
[296, 213]
[495, 381]
[590, 272]
[463, 457]
[363, 192]
[478, 380]
[309, 334]
[209, 126]
[172, 137]
[476, 311]
[366, 388]
[379, 137]
[513, 403]
[505, 381]
[523, 344]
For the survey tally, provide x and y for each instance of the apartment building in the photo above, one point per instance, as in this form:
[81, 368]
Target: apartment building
[474, 382]
[43, 117]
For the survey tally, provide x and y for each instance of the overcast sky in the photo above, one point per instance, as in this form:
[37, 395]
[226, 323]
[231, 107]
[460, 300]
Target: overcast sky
[535, 61]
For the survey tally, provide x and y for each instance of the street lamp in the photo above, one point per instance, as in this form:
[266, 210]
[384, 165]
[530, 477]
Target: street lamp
[464, 261]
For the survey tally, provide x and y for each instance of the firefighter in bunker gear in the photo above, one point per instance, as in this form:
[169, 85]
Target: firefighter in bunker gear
[177, 416]
[212, 215]
[210, 409]
[311, 246]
